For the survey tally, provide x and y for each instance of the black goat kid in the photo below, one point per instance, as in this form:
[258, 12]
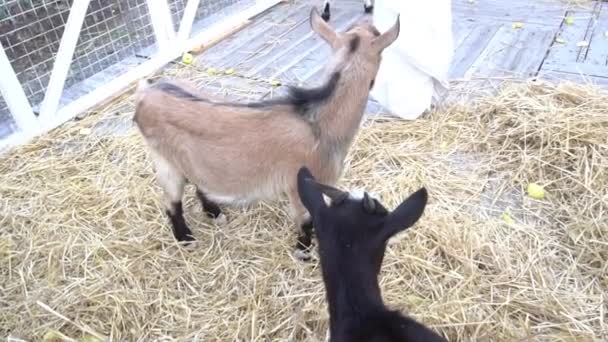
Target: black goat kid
[352, 234]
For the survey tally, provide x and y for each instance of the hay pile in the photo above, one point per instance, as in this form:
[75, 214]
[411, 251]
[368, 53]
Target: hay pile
[86, 251]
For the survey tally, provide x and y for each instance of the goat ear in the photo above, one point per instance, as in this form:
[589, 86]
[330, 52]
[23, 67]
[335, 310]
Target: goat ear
[310, 195]
[387, 38]
[322, 28]
[406, 214]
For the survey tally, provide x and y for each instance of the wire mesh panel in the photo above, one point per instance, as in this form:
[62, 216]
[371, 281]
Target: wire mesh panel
[117, 35]
[30, 31]
[177, 8]
[215, 10]
[208, 11]
[205, 10]
[7, 124]
[208, 8]
[112, 32]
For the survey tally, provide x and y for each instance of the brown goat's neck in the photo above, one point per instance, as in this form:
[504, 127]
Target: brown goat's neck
[339, 118]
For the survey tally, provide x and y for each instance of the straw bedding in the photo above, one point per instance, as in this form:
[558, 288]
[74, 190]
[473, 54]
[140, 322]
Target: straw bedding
[85, 251]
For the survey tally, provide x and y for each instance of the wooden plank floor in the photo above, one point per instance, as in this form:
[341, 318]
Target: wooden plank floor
[546, 45]
[488, 49]
[584, 52]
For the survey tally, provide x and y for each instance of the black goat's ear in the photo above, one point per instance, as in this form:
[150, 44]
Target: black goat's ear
[310, 194]
[406, 214]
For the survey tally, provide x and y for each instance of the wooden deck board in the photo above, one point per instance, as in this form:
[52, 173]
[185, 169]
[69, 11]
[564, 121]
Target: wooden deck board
[574, 60]
[471, 44]
[513, 52]
[537, 11]
[306, 59]
[298, 42]
[597, 54]
[571, 35]
[573, 77]
[461, 30]
[252, 38]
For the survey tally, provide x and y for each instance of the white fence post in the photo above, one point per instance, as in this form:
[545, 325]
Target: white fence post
[63, 60]
[160, 14]
[13, 94]
[187, 19]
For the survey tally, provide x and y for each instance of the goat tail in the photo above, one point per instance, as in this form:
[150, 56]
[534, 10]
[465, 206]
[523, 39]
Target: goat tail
[140, 90]
[142, 85]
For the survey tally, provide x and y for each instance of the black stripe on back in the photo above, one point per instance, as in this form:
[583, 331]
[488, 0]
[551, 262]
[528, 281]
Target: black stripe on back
[180, 92]
[303, 100]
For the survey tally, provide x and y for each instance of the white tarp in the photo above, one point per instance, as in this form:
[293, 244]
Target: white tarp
[414, 69]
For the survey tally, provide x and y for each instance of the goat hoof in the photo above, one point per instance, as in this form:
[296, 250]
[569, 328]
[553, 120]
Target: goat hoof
[187, 241]
[221, 220]
[187, 238]
[302, 255]
[190, 246]
[369, 9]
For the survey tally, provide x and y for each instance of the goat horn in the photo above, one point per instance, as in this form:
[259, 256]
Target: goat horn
[369, 204]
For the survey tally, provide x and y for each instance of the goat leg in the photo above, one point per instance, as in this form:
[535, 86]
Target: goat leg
[304, 223]
[180, 229]
[211, 208]
[172, 182]
[304, 242]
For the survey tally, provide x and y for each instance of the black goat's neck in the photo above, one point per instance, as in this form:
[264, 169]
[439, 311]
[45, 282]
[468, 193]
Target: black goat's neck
[353, 295]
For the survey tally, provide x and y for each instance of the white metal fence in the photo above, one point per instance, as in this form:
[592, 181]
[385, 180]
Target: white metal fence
[60, 57]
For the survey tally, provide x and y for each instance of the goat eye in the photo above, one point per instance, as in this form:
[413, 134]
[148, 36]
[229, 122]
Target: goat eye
[371, 84]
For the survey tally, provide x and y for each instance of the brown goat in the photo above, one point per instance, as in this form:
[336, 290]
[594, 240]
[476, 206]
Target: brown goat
[240, 153]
